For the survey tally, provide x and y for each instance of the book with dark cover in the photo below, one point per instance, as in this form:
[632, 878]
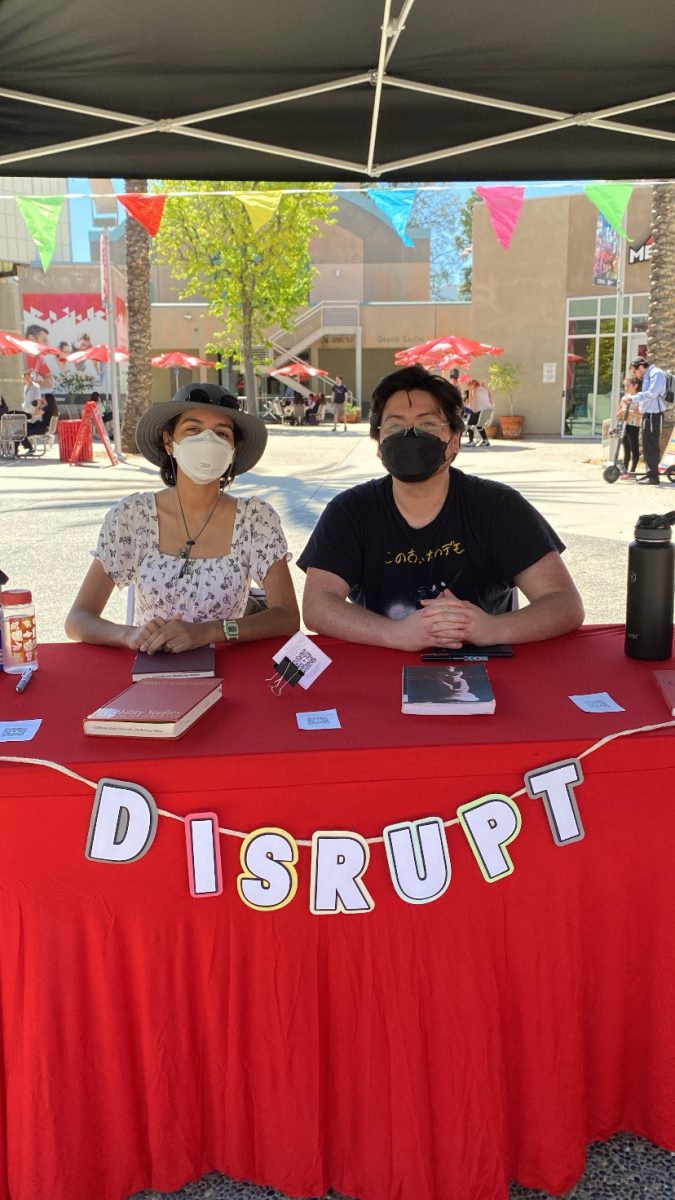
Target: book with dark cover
[155, 708]
[666, 682]
[189, 664]
[453, 689]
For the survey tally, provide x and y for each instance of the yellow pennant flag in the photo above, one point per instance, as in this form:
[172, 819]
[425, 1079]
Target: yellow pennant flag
[260, 206]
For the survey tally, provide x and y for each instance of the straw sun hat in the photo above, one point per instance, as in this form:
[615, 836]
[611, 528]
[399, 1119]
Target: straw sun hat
[251, 432]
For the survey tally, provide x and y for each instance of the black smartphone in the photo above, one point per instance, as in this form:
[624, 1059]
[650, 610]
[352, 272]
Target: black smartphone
[466, 653]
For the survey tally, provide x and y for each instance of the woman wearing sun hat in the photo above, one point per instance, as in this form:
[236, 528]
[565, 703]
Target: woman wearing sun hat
[190, 550]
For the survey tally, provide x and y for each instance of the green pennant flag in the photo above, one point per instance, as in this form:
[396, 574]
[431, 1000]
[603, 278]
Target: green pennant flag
[41, 217]
[612, 201]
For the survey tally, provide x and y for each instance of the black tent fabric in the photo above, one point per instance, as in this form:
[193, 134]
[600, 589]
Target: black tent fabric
[346, 90]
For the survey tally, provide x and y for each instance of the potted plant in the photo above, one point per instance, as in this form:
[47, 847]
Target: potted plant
[505, 377]
[352, 412]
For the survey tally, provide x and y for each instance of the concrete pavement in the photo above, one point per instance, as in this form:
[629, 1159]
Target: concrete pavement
[50, 512]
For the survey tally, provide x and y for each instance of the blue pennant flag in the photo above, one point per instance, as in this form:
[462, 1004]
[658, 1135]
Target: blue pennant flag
[396, 204]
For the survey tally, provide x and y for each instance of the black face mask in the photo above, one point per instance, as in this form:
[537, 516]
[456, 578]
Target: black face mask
[413, 457]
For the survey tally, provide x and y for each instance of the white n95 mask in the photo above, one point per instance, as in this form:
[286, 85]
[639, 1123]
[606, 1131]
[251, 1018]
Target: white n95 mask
[204, 456]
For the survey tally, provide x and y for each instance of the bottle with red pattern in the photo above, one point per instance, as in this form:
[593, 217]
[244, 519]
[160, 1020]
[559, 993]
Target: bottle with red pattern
[19, 637]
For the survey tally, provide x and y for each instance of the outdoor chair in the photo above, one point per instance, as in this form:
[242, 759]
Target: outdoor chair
[484, 419]
[13, 427]
[273, 412]
[44, 440]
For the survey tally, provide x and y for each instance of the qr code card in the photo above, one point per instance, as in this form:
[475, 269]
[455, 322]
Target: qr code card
[306, 656]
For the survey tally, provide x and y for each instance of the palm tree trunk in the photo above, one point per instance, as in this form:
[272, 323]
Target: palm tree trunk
[140, 318]
[661, 336]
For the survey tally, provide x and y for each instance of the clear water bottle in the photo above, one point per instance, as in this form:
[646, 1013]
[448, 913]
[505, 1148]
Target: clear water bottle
[651, 576]
[19, 638]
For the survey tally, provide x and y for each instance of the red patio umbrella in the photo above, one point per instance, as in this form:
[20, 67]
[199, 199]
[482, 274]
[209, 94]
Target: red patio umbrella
[299, 371]
[443, 363]
[176, 358]
[11, 343]
[439, 348]
[99, 354]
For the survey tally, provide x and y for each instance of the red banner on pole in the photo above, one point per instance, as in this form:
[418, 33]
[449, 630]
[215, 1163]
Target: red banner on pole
[105, 268]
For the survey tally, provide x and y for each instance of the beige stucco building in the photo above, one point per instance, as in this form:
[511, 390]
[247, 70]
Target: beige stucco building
[370, 298]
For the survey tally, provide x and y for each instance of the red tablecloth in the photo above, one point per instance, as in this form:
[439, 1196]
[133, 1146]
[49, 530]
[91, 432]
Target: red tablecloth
[422, 1052]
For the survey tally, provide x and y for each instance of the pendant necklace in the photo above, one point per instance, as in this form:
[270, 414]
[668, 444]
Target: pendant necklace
[186, 550]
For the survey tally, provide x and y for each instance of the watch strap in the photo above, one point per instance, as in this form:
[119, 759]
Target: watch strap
[231, 630]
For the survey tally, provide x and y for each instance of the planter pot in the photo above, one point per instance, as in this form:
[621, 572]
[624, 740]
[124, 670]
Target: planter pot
[492, 432]
[352, 417]
[512, 427]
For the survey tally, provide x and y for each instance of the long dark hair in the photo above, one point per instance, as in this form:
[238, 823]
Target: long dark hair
[51, 408]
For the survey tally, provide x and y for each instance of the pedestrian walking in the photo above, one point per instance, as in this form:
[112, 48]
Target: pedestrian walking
[652, 408]
[629, 410]
[341, 395]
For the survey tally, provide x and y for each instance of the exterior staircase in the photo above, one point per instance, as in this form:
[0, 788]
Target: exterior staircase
[319, 320]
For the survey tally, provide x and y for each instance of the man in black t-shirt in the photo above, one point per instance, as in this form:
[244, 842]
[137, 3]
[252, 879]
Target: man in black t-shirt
[430, 556]
[340, 398]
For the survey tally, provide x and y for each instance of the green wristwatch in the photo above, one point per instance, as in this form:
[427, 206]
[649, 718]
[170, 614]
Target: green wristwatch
[231, 630]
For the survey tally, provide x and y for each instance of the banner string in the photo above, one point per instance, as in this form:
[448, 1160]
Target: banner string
[373, 841]
[359, 190]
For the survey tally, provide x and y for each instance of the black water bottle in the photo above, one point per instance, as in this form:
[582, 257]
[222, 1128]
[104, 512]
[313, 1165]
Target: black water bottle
[651, 575]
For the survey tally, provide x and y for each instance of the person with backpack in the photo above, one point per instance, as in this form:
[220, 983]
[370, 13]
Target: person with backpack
[652, 407]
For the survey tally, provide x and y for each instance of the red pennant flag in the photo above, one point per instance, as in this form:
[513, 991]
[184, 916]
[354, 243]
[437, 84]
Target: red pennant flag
[504, 205]
[148, 210]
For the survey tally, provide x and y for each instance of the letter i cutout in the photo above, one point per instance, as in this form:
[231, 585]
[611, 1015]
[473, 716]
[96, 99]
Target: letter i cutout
[203, 854]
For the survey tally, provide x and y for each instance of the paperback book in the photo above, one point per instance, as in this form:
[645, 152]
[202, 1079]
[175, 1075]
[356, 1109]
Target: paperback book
[189, 664]
[454, 689]
[154, 708]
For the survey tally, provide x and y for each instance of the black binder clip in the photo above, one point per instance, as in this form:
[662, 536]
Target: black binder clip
[286, 672]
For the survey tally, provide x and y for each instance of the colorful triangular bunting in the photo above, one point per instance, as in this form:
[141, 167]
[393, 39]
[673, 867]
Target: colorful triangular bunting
[504, 206]
[260, 206]
[396, 204]
[612, 201]
[41, 217]
[147, 210]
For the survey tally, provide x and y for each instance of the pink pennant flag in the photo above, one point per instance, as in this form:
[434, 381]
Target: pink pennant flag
[148, 210]
[504, 205]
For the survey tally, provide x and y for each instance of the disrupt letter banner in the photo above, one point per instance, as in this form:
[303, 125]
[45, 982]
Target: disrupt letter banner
[124, 823]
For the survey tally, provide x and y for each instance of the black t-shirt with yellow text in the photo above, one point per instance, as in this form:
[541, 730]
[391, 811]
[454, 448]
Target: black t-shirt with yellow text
[485, 534]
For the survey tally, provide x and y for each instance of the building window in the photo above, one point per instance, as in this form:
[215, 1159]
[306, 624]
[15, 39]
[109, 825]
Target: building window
[589, 343]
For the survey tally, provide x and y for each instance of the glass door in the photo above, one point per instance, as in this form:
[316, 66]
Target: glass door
[589, 342]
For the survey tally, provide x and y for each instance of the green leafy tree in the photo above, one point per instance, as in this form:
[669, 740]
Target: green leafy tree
[505, 377]
[464, 244]
[251, 281]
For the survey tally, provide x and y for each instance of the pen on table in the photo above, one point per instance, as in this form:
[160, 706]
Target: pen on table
[25, 679]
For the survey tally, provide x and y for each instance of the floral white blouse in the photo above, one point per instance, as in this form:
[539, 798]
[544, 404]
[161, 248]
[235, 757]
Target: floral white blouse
[211, 588]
